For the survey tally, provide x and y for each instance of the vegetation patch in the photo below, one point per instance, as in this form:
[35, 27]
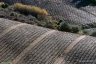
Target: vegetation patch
[6, 63]
[28, 9]
[4, 5]
[69, 27]
[41, 17]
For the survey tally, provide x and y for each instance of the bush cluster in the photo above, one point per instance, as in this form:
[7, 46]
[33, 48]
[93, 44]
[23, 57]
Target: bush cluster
[28, 9]
[4, 5]
[65, 26]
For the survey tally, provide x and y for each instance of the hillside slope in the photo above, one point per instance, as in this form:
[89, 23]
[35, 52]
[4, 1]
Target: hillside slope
[71, 11]
[64, 9]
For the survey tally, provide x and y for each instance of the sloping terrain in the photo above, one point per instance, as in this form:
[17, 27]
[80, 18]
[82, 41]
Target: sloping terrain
[63, 9]
[71, 11]
[22, 43]
[11, 14]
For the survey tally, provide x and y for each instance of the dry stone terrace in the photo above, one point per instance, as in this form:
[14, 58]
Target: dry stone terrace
[29, 44]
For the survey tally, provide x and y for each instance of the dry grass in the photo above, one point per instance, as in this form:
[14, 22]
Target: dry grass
[30, 9]
[2, 3]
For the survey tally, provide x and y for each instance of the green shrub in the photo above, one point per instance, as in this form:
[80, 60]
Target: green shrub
[93, 34]
[5, 5]
[88, 26]
[74, 28]
[59, 22]
[91, 31]
[63, 26]
[87, 31]
[92, 25]
[80, 32]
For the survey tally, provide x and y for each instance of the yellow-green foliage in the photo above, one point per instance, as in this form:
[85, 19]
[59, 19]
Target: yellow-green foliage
[30, 9]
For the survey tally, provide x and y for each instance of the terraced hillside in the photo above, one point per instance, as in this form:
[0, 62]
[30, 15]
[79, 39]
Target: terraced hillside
[67, 10]
[61, 9]
[22, 43]
[84, 5]
[26, 43]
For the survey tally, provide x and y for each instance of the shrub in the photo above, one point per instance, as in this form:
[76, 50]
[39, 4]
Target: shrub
[63, 26]
[93, 34]
[87, 31]
[92, 25]
[74, 28]
[27, 9]
[59, 21]
[91, 31]
[4, 5]
[80, 32]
